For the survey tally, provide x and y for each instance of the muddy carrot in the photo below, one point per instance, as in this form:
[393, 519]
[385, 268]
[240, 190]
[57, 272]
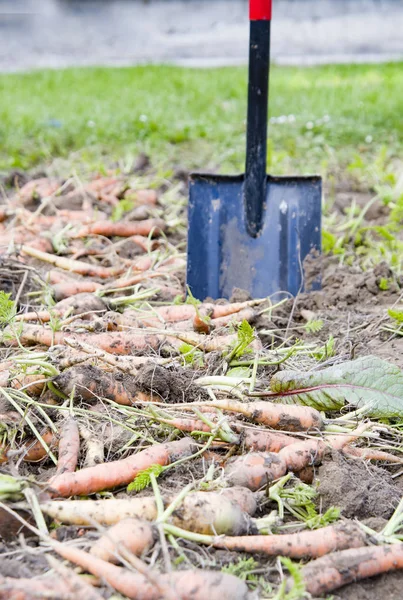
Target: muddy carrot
[113, 342]
[186, 585]
[105, 512]
[66, 289]
[256, 469]
[91, 382]
[75, 305]
[331, 572]
[304, 544]
[371, 454]
[111, 511]
[120, 472]
[24, 588]
[245, 314]
[123, 229]
[133, 534]
[34, 451]
[74, 266]
[288, 417]
[69, 447]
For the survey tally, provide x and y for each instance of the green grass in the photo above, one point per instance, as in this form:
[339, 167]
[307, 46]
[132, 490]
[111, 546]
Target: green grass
[196, 118]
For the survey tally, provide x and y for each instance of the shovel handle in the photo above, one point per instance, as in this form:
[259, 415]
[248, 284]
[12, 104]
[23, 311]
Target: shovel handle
[260, 10]
[254, 191]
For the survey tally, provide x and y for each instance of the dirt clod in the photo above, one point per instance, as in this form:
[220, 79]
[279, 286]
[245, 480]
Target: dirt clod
[358, 489]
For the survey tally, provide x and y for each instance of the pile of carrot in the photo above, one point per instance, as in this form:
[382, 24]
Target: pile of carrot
[111, 430]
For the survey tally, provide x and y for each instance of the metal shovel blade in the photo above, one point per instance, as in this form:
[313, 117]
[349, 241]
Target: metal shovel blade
[221, 253]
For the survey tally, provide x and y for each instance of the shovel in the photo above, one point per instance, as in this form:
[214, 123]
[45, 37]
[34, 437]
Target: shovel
[252, 231]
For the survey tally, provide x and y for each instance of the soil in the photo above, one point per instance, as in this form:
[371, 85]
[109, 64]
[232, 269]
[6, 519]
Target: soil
[361, 491]
[353, 309]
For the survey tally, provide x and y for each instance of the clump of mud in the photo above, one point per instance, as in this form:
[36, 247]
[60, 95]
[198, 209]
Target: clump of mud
[358, 489]
[170, 385]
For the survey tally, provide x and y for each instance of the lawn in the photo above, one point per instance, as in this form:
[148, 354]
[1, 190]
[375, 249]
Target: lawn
[322, 118]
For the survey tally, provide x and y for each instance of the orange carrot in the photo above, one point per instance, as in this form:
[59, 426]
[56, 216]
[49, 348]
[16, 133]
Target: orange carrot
[256, 469]
[34, 451]
[51, 588]
[91, 382]
[142, 196]
[172, 314]
[121, 472]
[32, 383]
[65, 289]
[115, 343]
[74, 266]
[123, 229]
[75, 305]
[134, 535]
[245, 314]
[186, 585]
[304, 544]
[331, 572]
[69, 447]
[288, 417]
[201, 325]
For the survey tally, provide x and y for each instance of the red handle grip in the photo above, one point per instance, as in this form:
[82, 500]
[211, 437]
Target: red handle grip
[260, 10]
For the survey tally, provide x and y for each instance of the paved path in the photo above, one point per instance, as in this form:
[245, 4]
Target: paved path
[59, 33]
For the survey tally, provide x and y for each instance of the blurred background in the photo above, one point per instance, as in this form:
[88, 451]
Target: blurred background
[59, 33]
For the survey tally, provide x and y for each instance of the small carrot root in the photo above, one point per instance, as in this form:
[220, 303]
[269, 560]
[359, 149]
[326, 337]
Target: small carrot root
[331, 572]
[121, 472]
[69, 447]
[371, 454]
[305, 544]
[132, 534]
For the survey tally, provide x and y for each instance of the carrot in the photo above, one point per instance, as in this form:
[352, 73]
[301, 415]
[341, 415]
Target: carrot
[34, 451]
[77, 304]
[51, 588]
[263, 441]
[200, 325]
[255, 440]
[216, 343]
[142, 196]
[220, 512]
[33, 383]
[91, 382]
[120, 472]
[256, 469]
[77, 585]
[331, 572]
[115, 343]
[187, 585]
[105, 512]
[370, 454]
[134, 535]
[288, 417]
[304, 544]
[74, 266]
[172, 314]
[213, 513]
[69, 447]
[65, 289]
[245, 314]
[123, 229]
